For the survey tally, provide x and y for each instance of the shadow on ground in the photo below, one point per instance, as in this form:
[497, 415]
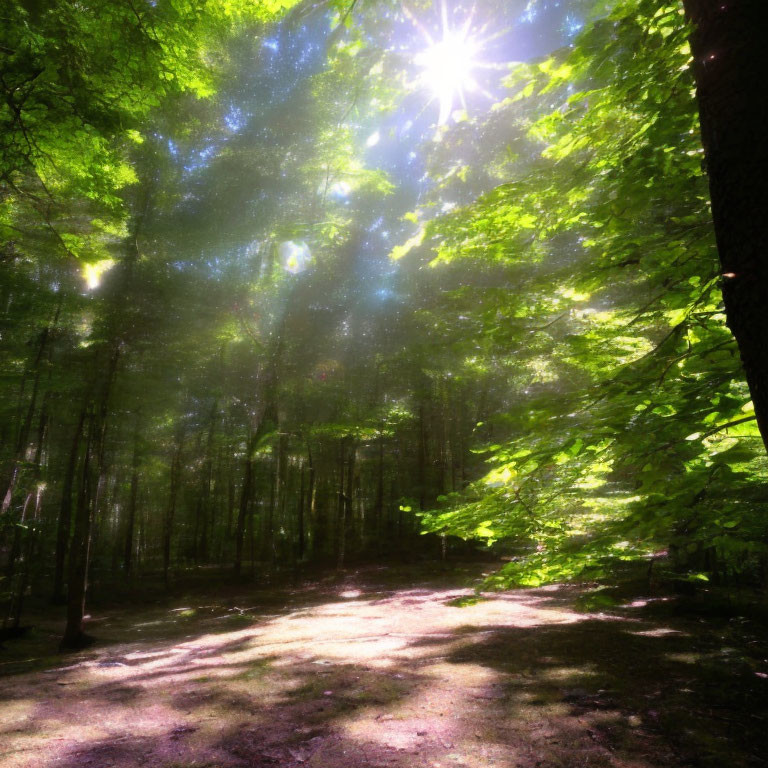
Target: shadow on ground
[404, 675]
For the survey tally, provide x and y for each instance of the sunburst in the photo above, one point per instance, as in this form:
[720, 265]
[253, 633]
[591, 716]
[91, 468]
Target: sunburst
[448, 63]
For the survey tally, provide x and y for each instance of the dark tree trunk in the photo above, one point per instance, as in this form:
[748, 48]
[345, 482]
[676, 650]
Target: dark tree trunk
[88, 501]
[30, 549]
[79, 552]
[230, 506]
[379, 508]
[422, 465]
[245, 500]
[278, 503]
[349, 498]
[206, 522]
[268, 521]
[311, 495]
[22, 531]
[265, 423]
[300, 517]
[731, 70]
[341, 514]
[170, 512]
[65, 512]
[26, 534]
[25, 426]
[130, 523]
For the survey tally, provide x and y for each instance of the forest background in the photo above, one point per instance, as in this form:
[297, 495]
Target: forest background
[273, 293]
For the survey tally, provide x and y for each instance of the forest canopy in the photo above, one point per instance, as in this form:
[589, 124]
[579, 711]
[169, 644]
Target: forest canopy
[288, 283]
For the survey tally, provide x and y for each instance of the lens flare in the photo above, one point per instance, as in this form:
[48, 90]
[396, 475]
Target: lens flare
[295, 256]
[92, 273]
[451, 59]
[447, 70]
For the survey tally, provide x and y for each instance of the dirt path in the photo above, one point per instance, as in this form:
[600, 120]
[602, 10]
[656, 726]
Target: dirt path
[363, 676]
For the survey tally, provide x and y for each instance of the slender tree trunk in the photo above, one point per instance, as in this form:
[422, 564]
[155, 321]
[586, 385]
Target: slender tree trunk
[269, 518]
[130, 523]
[731, 68]
[31, 545]
[25, 427]
[252, 533]
[245, 500]
[379, 507]
[22, 531]
[26, 533]
[65, 511]
[207, 483]
[118, 523]
[360, 499]
[311, 500]
[141, 538]
[79, 551]
[300, 516]
[350, 495]
[278, 505]
[230, 505]
[88, 502]
[170, 512]
[264, 423]
[341, 514]
[422, 464]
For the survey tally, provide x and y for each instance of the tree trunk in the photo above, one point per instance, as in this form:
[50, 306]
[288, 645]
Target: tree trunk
[230, 507]
[278, 505]
[65, 511]
[349, 497]
[26, 533]
[88, 502]
[731, 70]
[300, 516]
[130, 523]
[23, 531]
[341, 514]
[379, 508]
[25, 427]
[311, 498]
[245, 500]
[422, 465]
[79, 553]
[170, 512]
[207, 486]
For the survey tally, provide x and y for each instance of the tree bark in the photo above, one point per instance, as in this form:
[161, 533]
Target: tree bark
[170, 512]
[206, 522]
[379, 507]
[88, 501]
[341, 514]
[300, 516]
[422, 461]
[22, 439]
[65, 511]
[731, 71]
[349, 498]
[311, 498]
[245, 500]
[130, 522]
[79, 552]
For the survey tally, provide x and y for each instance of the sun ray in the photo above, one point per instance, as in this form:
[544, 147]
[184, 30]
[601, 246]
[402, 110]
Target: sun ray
[448, 63]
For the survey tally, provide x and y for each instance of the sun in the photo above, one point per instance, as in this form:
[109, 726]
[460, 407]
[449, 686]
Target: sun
[447, 67]
[449, 60]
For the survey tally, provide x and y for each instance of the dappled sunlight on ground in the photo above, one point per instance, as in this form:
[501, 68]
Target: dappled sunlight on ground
[359, 677]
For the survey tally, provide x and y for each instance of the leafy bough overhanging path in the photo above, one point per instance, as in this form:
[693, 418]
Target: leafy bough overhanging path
[371, 674]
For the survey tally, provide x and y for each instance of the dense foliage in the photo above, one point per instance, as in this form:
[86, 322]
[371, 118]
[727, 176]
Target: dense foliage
[632, 431]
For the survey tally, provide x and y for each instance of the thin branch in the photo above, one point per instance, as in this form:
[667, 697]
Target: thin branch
[727, 426]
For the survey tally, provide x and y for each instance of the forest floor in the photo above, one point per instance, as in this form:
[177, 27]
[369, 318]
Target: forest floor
[391, 669]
